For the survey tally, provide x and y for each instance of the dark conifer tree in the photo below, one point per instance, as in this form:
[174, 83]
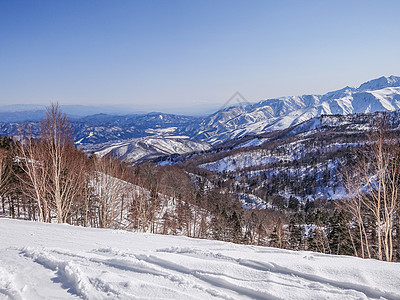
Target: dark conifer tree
[277, 237]
[338, 234]
[296, 234]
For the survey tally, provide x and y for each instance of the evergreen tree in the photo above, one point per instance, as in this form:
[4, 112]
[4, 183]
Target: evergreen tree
[277, 237]
[317, 241]
[235, 228]
[296, 234]
[293, 203]
[338, 234]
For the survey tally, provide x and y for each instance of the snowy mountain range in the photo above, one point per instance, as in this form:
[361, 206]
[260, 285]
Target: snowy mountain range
[382, 94]
[137, 136]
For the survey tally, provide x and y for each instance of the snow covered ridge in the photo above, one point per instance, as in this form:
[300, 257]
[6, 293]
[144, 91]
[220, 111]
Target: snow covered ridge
[382, 94]
[49, 261]
[139, 149]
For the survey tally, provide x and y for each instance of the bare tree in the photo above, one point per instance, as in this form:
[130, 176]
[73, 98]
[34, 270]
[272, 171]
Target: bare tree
[52, 167]
[110, 188]
[65, 178]
[374, 186]
[35, 174]
[354, 205]
[5, 172]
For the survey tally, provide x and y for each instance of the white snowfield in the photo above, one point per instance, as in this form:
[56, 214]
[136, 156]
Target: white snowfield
[49, 261]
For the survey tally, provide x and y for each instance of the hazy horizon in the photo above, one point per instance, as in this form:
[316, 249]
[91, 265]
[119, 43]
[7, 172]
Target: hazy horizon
[176, 56]
[73, 109]
[124, 109]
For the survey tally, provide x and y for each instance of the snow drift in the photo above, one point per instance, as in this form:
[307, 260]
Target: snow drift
[48, 261]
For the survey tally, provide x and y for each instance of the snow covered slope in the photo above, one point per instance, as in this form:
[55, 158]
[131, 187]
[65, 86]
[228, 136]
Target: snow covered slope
[136, 150]
[48, 261]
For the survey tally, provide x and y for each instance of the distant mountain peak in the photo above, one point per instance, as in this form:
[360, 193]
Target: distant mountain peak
[380, 83]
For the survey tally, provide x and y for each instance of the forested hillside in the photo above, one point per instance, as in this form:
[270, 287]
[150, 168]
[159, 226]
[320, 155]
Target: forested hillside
[317, 178]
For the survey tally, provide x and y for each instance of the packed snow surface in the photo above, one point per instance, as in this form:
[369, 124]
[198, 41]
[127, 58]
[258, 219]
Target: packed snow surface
[48, 261]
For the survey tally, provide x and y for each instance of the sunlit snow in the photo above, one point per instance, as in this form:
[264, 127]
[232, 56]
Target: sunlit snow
[48, 261]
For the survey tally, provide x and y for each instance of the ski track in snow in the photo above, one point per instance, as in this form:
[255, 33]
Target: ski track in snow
[42, 262]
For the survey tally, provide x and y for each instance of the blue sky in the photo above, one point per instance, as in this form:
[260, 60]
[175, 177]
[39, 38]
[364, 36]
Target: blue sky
[180, 54]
